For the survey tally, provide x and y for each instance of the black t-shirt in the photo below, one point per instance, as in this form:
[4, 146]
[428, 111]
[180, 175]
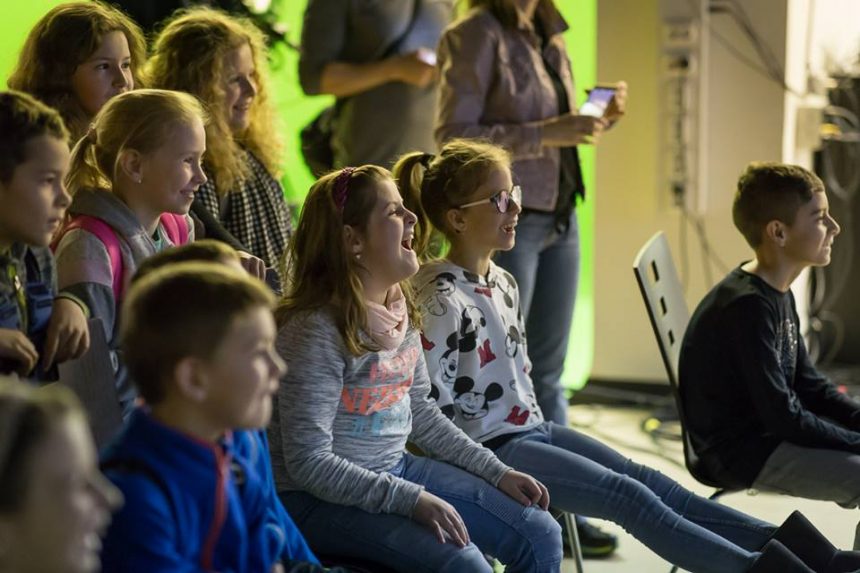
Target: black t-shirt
[747, 384]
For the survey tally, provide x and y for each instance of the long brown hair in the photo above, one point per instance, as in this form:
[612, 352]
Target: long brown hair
[320, 271]
[188, 55]
[61, 41]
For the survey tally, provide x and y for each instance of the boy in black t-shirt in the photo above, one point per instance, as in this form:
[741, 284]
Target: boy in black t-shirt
[758, 412]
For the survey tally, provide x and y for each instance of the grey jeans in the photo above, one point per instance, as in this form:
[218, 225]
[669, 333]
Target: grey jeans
[813, 473]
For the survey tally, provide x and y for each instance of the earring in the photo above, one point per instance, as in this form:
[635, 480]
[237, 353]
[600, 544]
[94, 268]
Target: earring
[358, 256]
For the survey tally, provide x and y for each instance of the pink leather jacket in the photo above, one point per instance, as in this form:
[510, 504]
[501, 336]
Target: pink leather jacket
[494, 86]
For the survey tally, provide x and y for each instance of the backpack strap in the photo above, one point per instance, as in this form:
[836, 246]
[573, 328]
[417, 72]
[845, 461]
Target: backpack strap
[107, 236]
[176, 227]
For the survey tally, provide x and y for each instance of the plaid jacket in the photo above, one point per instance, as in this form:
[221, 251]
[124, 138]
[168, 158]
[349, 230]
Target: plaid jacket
[256, 213]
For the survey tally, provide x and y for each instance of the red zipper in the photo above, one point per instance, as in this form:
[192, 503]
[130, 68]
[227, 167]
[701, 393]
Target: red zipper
[222, 464]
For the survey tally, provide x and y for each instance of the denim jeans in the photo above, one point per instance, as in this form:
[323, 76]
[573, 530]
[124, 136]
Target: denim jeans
[584, 476]
[545, 264]
[526, 539]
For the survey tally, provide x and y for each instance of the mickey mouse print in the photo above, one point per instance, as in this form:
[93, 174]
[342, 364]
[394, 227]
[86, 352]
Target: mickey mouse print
[474, 344]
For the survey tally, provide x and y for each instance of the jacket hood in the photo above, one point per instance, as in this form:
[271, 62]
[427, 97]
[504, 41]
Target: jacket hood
[106, 206]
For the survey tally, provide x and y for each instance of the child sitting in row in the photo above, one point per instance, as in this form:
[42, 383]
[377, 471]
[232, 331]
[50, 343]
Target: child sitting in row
[132, 179]
[357, 389]
[77, 57]
[54, 502]
[194, 463]
[37, 327]
[476, 353]
[759, 414]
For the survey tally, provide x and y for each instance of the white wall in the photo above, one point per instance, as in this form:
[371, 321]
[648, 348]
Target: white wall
[744, 123]
[749, 117]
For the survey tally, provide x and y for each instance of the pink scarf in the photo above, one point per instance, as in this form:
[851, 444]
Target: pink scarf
[387, 324]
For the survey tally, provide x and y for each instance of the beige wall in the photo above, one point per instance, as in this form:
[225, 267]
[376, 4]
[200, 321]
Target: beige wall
[744, 122]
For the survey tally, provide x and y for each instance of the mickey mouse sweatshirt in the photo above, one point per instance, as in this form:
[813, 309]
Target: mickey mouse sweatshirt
[475, 346]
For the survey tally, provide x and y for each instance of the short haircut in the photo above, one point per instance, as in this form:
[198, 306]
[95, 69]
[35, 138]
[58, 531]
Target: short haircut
[204, 250]
[768, 192]
[180, 311]
[22, 118]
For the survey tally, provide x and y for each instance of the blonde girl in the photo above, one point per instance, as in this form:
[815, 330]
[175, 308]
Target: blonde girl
[77, 57]
[54, 501]
[222, 61]
[480, 380]
[133, 177]
[357, 389]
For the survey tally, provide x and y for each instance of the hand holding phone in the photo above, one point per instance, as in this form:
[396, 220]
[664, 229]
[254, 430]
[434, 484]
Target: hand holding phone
[599, 100]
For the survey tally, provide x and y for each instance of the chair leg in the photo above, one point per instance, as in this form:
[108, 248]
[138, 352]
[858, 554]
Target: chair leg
[573, 540]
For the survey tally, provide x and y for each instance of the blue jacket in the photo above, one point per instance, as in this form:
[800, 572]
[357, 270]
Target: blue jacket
[192, 507]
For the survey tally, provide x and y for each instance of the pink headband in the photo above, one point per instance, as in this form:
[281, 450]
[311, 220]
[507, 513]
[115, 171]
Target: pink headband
[341, 187]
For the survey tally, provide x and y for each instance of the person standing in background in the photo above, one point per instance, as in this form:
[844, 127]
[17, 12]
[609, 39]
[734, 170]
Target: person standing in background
[379, 60]
[505, 76]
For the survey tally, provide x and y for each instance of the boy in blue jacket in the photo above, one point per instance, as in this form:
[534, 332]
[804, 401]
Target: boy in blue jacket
[37, 328]
[193, 463]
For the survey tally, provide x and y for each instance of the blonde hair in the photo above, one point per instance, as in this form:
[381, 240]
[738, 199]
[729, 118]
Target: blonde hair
[142, 120]
[61, 41]
[320, 271]
[189, 55]
[433, 185]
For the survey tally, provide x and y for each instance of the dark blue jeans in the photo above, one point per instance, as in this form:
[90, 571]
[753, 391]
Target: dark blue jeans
[525, 539]
[585, 476]
[545, 264]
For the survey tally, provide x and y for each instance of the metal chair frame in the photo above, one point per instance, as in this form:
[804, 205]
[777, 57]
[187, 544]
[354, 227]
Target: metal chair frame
[667, 309]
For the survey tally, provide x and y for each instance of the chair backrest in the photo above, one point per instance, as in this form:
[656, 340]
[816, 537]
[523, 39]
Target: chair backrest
[91, 377]
[664, 299]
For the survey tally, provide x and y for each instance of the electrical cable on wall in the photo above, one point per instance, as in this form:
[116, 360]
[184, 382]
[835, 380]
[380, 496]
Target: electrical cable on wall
[839, 167]
[772, 68]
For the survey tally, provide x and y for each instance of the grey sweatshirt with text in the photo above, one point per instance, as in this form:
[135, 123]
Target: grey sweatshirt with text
[340, 422]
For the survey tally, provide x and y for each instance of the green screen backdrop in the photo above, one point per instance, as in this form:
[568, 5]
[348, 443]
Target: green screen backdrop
[297, 110]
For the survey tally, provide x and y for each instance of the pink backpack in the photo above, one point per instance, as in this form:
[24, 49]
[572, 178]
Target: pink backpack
[175, 225]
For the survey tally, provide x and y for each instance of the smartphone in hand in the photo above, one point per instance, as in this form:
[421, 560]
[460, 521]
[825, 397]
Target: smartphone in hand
[598, 101]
